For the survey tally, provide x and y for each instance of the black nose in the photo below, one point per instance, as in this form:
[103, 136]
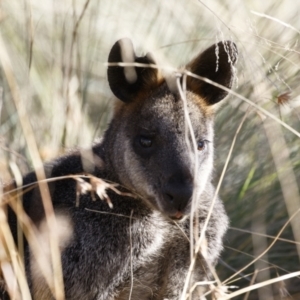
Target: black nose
[178, 192]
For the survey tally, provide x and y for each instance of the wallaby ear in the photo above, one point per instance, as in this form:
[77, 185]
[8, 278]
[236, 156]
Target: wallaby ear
[127, 82]
[215, 63]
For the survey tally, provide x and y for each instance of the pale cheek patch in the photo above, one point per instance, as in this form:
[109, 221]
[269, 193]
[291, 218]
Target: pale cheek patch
[133, 176]
[204, 173]
[205, 167]
[159, 231]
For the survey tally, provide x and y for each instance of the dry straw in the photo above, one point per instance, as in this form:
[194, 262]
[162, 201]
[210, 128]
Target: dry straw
[55, 92]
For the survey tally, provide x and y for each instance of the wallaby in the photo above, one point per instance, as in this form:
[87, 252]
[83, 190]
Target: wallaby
[136, 244]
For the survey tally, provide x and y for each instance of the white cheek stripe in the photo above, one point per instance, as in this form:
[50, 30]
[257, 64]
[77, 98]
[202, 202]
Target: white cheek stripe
[160, 230]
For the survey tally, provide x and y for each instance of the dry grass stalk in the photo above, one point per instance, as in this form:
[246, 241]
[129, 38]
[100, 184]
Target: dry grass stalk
[200, 240]
[286, 176]
[267, 249]
[131, 260]
[251, 283]
[69, 66]
[96, 186]
[262, 284]
[11, 264]
[265, 235]
[239, 96]
[32, 147]
[257, 41]
[272, 266]
[276, 20]
[31, 234]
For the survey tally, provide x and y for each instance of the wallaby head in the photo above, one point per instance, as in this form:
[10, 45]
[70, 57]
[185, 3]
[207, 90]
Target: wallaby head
[147, 139]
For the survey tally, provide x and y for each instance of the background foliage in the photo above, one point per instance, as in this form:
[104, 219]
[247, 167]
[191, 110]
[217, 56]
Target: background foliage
[58, 51]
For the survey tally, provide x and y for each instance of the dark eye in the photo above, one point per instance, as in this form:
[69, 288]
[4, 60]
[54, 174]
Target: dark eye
[201, 145]
[145, 142]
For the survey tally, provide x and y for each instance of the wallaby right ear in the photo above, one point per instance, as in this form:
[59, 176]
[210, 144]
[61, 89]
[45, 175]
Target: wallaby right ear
[217, 64]
[127, 82]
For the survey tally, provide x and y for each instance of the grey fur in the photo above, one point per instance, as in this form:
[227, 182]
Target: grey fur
[149, 236]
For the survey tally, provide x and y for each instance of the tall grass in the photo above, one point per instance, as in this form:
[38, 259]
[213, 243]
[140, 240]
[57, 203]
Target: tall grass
[56, 96]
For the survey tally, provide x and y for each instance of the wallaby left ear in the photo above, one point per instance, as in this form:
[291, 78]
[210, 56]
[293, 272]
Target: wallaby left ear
[129, 81]
[215, 63]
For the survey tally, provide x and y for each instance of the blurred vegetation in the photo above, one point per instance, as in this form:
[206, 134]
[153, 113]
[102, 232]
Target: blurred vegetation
[58, 51]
